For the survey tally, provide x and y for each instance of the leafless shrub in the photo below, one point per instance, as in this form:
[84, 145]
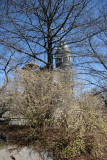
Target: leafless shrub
[68, 123]
[44, 93]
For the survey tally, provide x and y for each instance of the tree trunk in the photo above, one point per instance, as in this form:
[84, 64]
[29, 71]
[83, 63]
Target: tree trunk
[49, 50]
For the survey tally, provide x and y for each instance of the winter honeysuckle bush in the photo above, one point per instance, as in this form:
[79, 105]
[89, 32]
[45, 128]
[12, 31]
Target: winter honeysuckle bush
[66, 121]
[46, 94]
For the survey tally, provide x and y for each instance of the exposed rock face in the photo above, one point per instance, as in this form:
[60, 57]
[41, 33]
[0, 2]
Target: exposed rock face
[13, 153]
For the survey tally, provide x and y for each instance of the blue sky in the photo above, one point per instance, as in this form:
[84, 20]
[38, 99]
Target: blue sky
[73, 47]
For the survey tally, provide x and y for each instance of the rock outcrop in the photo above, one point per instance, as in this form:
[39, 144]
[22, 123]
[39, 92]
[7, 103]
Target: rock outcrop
[25, 153]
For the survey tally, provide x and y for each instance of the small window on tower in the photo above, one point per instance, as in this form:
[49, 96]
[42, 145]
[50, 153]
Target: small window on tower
[66, 59]
[59, 59]
[59, 62]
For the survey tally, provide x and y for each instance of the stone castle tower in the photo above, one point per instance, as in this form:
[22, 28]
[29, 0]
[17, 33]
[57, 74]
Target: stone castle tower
[63, 76]
[63, 63]
[63, 56]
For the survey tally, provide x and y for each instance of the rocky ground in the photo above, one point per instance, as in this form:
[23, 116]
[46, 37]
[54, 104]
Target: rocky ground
[15, 144]
[25, 153]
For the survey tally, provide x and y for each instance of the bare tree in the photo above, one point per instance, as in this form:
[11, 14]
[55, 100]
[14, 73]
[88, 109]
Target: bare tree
[8, 64]
[4, 67]
[90, 56]
[34, 27]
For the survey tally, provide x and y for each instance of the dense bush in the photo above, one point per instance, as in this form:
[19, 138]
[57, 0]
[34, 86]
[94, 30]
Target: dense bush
[69, 124]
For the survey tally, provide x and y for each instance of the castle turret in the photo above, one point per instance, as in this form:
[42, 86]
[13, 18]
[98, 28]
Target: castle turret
[63, 55]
